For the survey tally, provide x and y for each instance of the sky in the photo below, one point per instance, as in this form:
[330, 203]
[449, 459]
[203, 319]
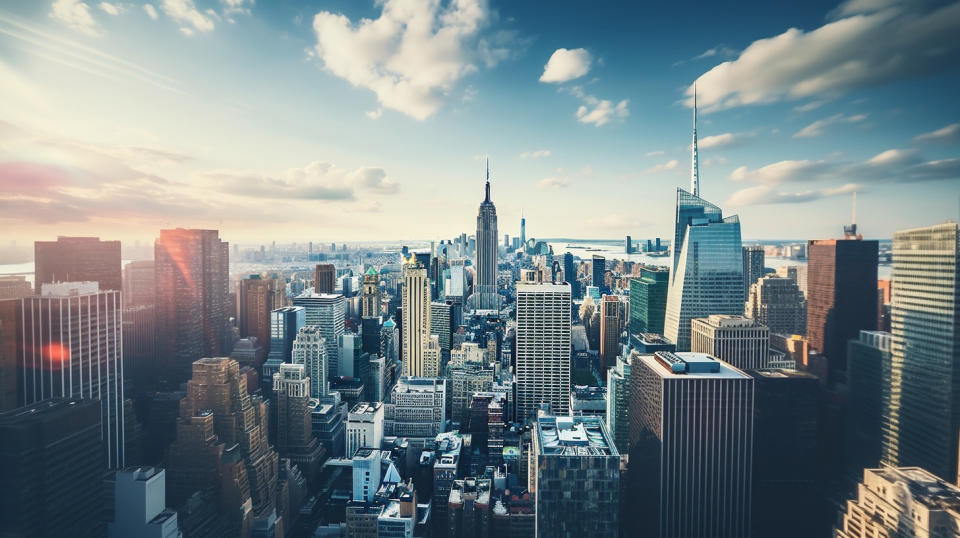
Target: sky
[371, 120]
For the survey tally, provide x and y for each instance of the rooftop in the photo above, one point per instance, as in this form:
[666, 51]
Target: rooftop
[573, 436]
[924, 487]
[691, 365]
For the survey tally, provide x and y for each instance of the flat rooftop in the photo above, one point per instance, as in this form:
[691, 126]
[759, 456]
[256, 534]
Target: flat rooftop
[573, 436]
[924, 487]
[691, 365]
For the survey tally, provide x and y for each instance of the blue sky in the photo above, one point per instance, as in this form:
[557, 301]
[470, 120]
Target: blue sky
[370, 120]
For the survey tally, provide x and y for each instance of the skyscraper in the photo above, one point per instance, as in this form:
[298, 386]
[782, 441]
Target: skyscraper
[543, 348]
[310, 350]
[441, 323]
[371, 297]
[78, 259]
[193, 310]
[779, 304]
[684, 483]
[869, 380]
[324, 276]
[740, 341]
[327, 311]
[753, 266]
[295, 439]
[139, 288]
[256, 298]
[570, 275]
[609, 331]
[925, 348]
[523, 231]
[618, 403]
[285, 323]
[598, 269]
[841, 296]
[648, 301]
[485, 296]
[415, 308]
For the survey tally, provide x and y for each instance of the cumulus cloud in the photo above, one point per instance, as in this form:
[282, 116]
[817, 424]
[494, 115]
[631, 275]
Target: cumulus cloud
[76, 15]
[718, 141]
[235, 7]
[374, 114]
[316, 181]
[871, 43]
[945, 135]
[411, 56]
[807, 107]
[111, 9]
[186, 14]
[766, 194]
[151, 11]
[601, 111]
[669, 165]
[566, 64]
[553, 183]
[535, 154]
[654, 153]
[817, 128]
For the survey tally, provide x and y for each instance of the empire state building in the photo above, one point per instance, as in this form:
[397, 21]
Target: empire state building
[485, 295]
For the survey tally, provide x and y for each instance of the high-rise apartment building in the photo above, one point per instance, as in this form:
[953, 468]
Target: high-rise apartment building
[925, 349]
[370, 294]
[753, 266]
[310, 350]
[779, 304]
[485, 296]
[575, 477]
[291, 399]
[684, 483]
[78, 259]
[648, 301]
[415, 313]
[841, 296]
[740, 341]
[193, 310]
[256, 298]
[609, 330]
[71, 347]
[543, 348]
[327, 311]
[324, 278]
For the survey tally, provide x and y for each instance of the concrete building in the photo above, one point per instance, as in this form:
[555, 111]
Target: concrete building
[417, 408]
[324, 276]
[740, 341]
[256, 298]
[585, 502]
[753, 266]
[432, 357]
[543, 348]
[364, 427]
[77, 259]
[618, 404]
[291, 400]
[140, 505]
[469, 512]
[16, 287]
[139, 287]
[415, 328]
[609, 331]
[440, 323]
[328, 312]
[465, 381]
[870, 384]
[588, 401]
[485, 296]
[310, 350]
[796, 273]
[779, 304]
[371, 297]
[285, 325]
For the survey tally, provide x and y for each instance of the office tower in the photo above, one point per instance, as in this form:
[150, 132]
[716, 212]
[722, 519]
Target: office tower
[139, 286]
[841, 296]
[416, 408]
[609, 331]
[465, 381]
[543, 348]
[925, 347]
[440, 323]
[469, 507]
[390, 341]
[78, 259]
[523, 231]
[310, 349]
[375, 384]
[222, 444]
[431, 357]
[364, 427]
[295, 439]
[324, 276]
[415, 308]
[485, 296]
[570, 275]
[753, 260]
[585, 502]
[349, 353]
[14, 287]
[648, 301]
[52, 469]
[797, 273]
[779, 304]
[140, 505]
[618, 403]
[256, 298]
[193, 310]
[327, 311]
[684, 483]
[72, 348]
[370, 335]
[628, 247]
[371, 297]
[740, 341]
[285, 324]
[786, 495]
[599, 269]
[869, 381]
[901, 501]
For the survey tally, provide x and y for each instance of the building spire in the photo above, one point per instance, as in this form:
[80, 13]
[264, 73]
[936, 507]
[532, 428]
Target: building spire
[487, 199]
[695, 164]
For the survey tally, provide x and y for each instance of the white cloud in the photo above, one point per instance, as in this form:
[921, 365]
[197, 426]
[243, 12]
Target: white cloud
[872, 44]
[535, 154]
[374, 114]
[411, 56]
[151, 11]
[807, 107]
[586, 170]
[945, 135]
[718, 141]
[553, 183]
[654, 153]
[765, 194]
[235, 7]
[669, 165]
[76, 15]
[566, 64]
[783, 171]
[111, 9]
[601, 111]
[185, 13]
[816, 128]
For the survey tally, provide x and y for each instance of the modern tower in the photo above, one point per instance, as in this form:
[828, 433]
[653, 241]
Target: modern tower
[543, 348]
[869, 382]
[570, 274]
[415, 309]
[694, 154]
[78, 259]
[648, 301]
[598, 269]
[485, 296]
[523, 231]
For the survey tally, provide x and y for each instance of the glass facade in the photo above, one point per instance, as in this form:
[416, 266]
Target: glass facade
[648, 301]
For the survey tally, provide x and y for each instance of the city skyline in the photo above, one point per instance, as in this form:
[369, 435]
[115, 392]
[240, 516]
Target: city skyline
[248, 117]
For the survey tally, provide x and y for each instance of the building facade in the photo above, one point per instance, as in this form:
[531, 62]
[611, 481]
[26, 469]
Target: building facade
[256, 298]
[779, 304]
[78, 259]
[648, 301]
[609, 331]
[324, 278]
[415, 328]
[753, 266]
[328, 312]
[739, 341]
[310, 350]
[485, 296]
[543, 348]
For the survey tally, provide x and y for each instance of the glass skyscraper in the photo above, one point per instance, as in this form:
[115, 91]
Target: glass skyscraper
[648, 301]
[706, 275]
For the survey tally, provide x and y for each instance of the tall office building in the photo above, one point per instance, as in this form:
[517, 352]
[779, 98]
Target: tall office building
[415, 309]
[364, 427]
[779, 304]
[580, 502]
[618, 403]
[324, 278]
[485, 296]
[310, 349]
[78, 259]
[648, 301]
[417, 408]
[72, 348]
[285, 324]
[256, 298]
[841, 296]
[753, 266]
[570, 275]
[371, 297]
[139, 287]
[740, 341]
[685, 483]
[797, 273]
[543, 348]
[609, 331]
[52, 469]
[869, 382]
[904, 501]
[432, 357]
[598, 268]
[466, 380]
[327, 311]
[441, 323]
[523, 231]
[925, 347]
[193, 310]
[140, 505]
[291, 399]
